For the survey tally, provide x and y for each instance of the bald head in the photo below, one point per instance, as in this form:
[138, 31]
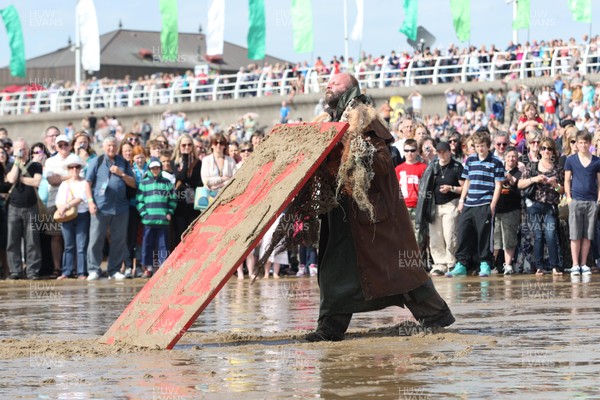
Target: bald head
[337, 85]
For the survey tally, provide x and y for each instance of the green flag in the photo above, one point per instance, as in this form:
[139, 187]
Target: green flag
[169, 40]
[257, 30]
[461, 16]
[523, 15]
[582, 10]
[302, 26]
[409, 26]
[10, 16]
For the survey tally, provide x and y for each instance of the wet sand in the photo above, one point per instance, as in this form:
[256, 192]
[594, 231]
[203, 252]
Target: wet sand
[517, 337]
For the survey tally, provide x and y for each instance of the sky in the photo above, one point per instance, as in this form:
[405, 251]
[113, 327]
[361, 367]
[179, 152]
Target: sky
[47, 24]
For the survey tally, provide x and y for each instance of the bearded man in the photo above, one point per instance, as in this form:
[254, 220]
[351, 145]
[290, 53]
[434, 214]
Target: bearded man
[369, 257]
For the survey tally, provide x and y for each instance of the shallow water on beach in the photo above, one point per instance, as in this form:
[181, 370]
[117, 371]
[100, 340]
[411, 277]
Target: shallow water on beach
[515, 337]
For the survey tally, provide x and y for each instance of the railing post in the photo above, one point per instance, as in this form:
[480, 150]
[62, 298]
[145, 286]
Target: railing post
[172, 89]
[584, 63]
[260, 84]
[553, 62]
[236, 87]
[37, 100]
[409, 71]
[463, 70]
[193, 88]
[216, 87]
[2, 104]
[523, 65]
[436, 70]
[382, 71]
[20, 103]
[493, 67]
[131, 94]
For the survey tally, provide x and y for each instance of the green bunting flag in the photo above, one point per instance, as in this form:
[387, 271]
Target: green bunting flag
[461, 17]
[582, 10]
[409, 26]
[302, 26]
[10, 16]
[523, 15]
[257, 30]
[169, 39]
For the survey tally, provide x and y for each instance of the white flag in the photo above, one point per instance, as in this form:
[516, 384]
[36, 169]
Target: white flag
[88, 35]
[357, 31]
[216, 28]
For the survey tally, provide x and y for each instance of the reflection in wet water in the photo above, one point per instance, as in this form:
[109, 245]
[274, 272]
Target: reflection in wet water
[514, 337]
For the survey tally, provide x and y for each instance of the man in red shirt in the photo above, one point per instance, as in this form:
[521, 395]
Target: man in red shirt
[409, 173]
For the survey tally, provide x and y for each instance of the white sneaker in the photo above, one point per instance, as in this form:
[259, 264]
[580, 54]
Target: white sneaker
[312, 269]
[575, 270]
[301, 270]
[585, 270]
[128, 273]
[117, 276]
[93, 276]
[508, 269]
[494, 271]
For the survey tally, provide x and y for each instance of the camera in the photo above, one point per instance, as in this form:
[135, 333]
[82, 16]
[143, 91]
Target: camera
[19, 153]
[82, 146]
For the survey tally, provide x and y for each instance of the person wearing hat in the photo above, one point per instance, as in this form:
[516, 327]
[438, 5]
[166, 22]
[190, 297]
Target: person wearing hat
[72, 194]
[56, 173]
[156, 204]
[437, 208]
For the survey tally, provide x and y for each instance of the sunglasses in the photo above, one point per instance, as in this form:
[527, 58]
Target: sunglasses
[535, 141]
[186, 145]
[410, 150]
[62, 145]
[452, 141]
[544, 148]
[133, 139]
[246, 151]
[162, 141]
[38, 152]
[220, 143]
[503, 144]
[74, 167]
[573, 141]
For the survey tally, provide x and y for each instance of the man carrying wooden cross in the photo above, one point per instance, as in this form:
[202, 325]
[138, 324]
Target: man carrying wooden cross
[369, 257]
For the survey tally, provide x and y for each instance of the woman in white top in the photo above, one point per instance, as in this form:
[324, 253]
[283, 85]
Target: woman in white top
[71, 193]
[217, 168]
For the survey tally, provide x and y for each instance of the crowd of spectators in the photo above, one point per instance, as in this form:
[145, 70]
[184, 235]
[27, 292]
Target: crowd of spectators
[537, 139]
[147, 177]
[507, 63]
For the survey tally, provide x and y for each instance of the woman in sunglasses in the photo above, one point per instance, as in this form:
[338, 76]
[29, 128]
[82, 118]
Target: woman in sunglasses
[71, 194]
[532, 154]
[569, 144]
[186, 168]
[542, 206]
[456, 146]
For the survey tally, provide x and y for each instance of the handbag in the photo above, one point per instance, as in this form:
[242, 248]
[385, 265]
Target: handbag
[529, 191]
[204, 197]
[70, 213]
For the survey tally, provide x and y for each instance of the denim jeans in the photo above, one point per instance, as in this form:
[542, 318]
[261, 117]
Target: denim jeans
[543, 223]
[24, 223]
[76, 236]
[118, 241]
[154, 246]
[308, 255]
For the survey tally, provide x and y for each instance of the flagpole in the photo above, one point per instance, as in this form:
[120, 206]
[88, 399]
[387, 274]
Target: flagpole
[77, 53]
[515, 32]
[346, 34]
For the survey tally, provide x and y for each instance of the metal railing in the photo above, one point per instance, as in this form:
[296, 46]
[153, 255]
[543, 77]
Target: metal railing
[419, 71]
